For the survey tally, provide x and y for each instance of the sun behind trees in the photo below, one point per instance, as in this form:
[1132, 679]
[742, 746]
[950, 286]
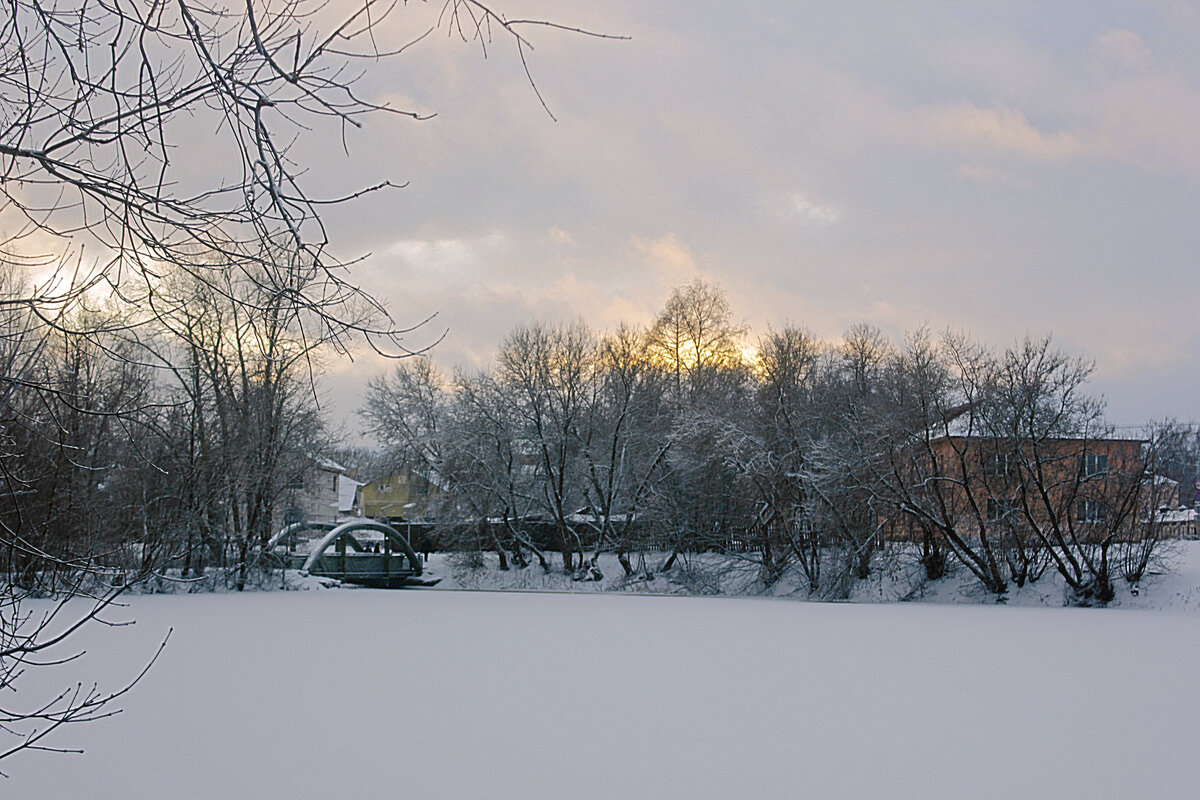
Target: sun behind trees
[694, 337]
[827, 458]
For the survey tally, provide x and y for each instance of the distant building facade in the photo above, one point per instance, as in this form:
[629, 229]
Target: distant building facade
[323, 493]
[1095, 487]
[401, 495]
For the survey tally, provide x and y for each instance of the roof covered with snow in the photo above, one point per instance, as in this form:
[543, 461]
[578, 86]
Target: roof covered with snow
[1177, 515]
[329, 465]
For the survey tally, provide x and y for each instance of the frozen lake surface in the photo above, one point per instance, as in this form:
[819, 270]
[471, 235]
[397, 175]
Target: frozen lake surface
[429, 694]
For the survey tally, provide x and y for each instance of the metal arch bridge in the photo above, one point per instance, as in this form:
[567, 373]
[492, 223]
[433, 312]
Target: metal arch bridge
[391, 564]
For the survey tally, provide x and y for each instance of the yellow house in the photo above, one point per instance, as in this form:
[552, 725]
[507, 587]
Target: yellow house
[400, 495]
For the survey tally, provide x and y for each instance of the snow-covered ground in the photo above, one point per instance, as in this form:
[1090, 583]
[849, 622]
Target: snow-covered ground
[432, 694]
[1174, 584]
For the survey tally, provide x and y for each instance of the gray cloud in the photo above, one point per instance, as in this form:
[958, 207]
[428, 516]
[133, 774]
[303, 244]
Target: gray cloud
[999, 169]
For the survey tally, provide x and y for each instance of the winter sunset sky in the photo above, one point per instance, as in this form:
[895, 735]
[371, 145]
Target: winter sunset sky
[999, 168]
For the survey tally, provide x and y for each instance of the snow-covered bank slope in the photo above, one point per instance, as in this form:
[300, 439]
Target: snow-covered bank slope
[899, 578]
[427, 694]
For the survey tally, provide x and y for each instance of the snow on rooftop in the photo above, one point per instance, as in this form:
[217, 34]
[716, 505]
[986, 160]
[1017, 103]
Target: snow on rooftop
[330, 465]
[1177, 515]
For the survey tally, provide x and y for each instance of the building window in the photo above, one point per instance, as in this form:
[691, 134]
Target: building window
[1093, 464]
[296, 484]
[1089, 511]
[385, 487]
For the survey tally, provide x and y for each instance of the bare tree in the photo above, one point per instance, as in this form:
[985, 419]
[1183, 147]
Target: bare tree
[863, 353]
[769, 448]
[489, 468]
[1007, 462]
[624, 443]
[694, 337]
[924, 443]
[245, 373]
[546, 371]
[406, 411]
[1084, 492]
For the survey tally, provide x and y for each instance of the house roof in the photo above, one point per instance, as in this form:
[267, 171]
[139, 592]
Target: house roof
[956, 423]
[1177, 515]
[962, 428]
[329, 465]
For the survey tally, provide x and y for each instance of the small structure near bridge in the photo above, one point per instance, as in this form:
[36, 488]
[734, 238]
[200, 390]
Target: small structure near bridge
[364, 552]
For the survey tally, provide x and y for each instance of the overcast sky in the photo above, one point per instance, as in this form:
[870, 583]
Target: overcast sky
[999, 168]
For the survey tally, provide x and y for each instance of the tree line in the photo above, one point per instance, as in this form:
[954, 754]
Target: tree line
[793, 453]
[142, 441]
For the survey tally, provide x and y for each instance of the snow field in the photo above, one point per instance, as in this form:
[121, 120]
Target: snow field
[428, 694]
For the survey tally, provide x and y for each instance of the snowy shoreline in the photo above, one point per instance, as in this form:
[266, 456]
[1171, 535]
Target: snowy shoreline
[1174, 589]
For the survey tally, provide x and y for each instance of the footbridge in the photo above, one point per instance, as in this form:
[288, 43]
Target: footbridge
[366, 553]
